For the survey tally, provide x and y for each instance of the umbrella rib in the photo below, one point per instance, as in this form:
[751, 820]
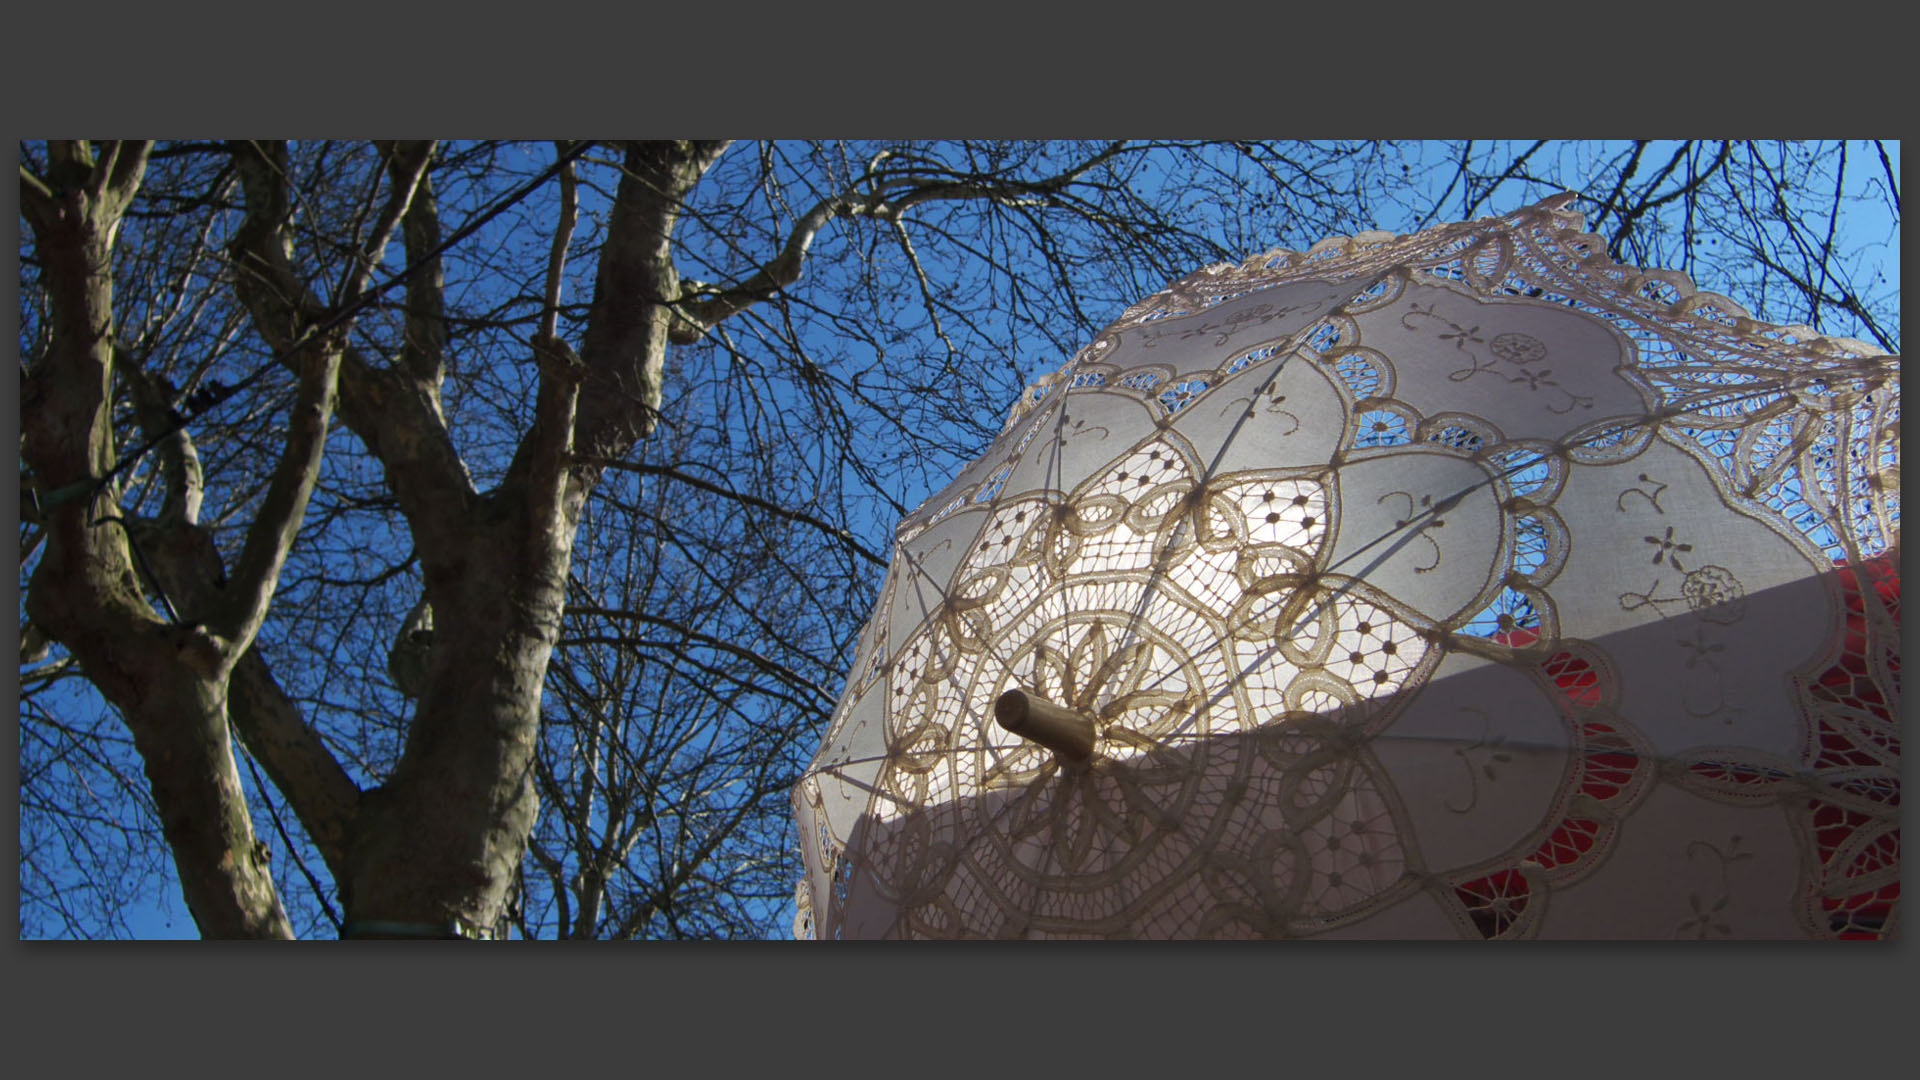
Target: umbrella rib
[1163, 561]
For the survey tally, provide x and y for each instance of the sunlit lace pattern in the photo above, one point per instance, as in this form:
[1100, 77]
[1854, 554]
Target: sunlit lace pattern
[1455, 584]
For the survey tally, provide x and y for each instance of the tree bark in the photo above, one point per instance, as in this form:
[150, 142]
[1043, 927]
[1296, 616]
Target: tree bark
[168, 680]
[439, 843]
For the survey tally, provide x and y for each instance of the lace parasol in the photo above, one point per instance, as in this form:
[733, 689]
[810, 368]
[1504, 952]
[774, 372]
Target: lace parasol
[1457, 584]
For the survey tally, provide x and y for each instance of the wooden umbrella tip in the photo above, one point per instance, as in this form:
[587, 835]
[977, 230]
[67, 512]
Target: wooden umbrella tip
[1011, 710]
[1069, 734]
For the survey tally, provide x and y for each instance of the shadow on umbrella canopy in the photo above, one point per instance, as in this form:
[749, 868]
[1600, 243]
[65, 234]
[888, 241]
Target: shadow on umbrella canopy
[1499, 801]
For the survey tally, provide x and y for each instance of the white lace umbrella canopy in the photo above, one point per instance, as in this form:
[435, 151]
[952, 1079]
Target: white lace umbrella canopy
[1460, 584]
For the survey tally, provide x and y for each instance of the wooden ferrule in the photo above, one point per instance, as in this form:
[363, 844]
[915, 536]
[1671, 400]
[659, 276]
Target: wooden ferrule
[1067, 733]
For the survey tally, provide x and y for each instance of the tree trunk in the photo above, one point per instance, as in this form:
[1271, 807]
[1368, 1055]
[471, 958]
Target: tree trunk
[168, 681]
[438, 845]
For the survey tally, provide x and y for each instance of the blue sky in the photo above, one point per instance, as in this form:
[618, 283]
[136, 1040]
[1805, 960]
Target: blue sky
[1871, 241]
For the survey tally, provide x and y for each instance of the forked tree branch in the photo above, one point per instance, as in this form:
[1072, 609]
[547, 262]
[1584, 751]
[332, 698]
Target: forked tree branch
[394, 414]
[623, 347]
[424, 342]
[550, 440]
[165, 680]
[318, 360]
[182, 555]
[562, 237]
[179, 459]
[323, 796]
[36, 198]
[406, 169]
[248, 595]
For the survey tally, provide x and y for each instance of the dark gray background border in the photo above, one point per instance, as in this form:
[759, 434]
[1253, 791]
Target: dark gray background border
[547, 70]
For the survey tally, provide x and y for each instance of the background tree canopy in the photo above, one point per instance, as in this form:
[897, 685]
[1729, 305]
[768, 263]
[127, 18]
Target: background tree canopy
[469, 538]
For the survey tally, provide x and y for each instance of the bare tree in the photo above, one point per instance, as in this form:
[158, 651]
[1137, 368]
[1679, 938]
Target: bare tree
[516, 505]
[477, 425]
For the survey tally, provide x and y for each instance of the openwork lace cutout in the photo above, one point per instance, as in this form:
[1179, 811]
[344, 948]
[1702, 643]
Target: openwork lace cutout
[1462, 583]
